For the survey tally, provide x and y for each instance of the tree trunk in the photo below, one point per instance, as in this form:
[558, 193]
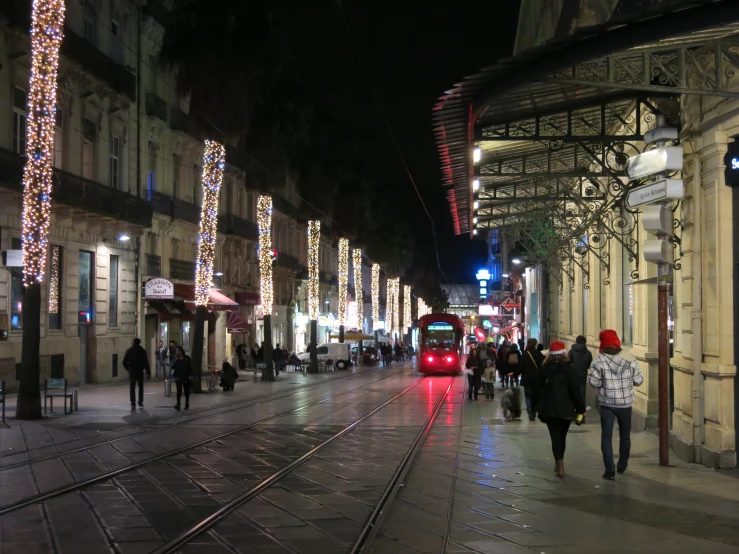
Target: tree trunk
[313, 368]
[341, 334]
[201, 313]
[268, 373]
[29, 393]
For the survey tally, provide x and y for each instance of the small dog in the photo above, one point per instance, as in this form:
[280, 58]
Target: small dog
[511, 404]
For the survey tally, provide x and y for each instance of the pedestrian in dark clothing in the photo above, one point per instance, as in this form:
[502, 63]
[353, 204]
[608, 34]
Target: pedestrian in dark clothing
[181, 372]
[260, 354]
[241, 353]
[560, 401]
[581, 359]
[172, 352]
[136, 363]
[228, 376]
[531, 363]
[255, 354]
[161, 359]
[475, 371]
[514, 364]
[503, 362]
[614, 374]
[277, 357]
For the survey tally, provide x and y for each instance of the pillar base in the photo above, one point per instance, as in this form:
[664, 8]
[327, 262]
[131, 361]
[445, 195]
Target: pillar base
[685, 450]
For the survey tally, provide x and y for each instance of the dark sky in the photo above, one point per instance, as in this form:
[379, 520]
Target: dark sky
[413, 51]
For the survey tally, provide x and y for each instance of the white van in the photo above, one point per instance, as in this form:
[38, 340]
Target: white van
[337, 352]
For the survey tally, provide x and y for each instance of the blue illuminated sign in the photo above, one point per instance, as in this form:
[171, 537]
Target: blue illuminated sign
[483, 275]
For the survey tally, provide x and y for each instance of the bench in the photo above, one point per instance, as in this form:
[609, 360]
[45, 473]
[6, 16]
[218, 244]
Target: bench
[58, 387]
[2, 399]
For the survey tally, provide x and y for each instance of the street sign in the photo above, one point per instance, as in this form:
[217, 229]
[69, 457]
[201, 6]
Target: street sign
[664, 158]
[659, 191]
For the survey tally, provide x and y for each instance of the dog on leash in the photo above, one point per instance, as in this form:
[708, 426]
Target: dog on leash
[511, 404]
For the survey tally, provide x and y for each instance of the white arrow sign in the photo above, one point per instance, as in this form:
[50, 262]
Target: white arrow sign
[664, 189]
[664, 158]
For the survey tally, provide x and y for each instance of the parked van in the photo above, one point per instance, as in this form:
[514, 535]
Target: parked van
[335, 351]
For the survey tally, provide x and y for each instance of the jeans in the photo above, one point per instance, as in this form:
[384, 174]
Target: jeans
[489, 389]
[135, 377]
[608, 415]
[162, 368]
[183, 386]
[474, 383]
[558, 433]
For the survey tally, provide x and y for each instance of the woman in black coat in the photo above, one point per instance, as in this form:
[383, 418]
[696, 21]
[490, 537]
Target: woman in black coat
[532, 361]
[560, 401]
[475, 369]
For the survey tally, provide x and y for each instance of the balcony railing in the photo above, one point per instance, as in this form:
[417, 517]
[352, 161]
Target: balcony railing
[179, 120]
[230, 224]
[181, 270]
[153, 265]
[78, 192]
[174, 207]
[156, 106]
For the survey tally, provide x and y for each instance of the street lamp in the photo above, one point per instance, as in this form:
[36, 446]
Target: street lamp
[516, 261]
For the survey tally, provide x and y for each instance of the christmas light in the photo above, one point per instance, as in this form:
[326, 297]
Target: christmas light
[375, 295]
[314, 244]
[389, 306]
[407, 308]
[54, 281]
[264, 222]
[343, 278]
[214, 160]
[47, 22]
[358, 293]
[396, 306]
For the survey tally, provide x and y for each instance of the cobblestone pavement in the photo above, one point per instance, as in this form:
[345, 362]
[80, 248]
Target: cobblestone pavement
[488, 487]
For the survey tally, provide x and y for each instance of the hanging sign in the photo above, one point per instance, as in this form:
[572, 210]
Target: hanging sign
[158, 289]
[658, 191]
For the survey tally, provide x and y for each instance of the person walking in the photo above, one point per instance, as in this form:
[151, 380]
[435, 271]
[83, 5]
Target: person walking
[488, 379]
[614, 375]
[136, 362]
[255, 354]
[581, 359]
[560, 401]
[277, 357]
[241, 354]
[181, 372]
[162, 359]
[531, 363]
[474, 370]
[503, 363]
[172, 353]
[514, 363]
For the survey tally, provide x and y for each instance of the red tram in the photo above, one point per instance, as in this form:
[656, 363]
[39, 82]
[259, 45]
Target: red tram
[440, 343]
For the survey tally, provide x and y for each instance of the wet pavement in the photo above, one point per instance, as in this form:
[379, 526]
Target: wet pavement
[478, 484]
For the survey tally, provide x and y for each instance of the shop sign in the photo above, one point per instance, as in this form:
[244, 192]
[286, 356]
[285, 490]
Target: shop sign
[158, 289]
[13, 258]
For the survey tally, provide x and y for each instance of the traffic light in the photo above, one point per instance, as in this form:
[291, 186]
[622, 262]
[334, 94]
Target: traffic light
[273, 255]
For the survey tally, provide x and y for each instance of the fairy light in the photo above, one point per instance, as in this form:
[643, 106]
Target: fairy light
[214, 160]
[343, 278]
[375, 295]
[396, 306]
[54, 281]
[264, 222]
[314, 243]
[389, 306]
[358, 293]
[47, 22]
[407, 308]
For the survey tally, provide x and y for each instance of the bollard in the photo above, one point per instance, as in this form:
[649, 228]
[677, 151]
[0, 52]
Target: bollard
[75, 399]
[167, 387]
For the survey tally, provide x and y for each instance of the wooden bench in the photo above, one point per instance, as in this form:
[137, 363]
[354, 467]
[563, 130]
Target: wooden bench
[58, 387]
[2, 399]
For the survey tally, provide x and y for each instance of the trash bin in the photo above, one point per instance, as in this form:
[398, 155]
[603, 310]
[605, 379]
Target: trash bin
[168, 387]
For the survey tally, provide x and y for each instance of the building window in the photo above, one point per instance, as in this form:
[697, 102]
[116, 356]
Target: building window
[58, 139]
[195, 183]
[113, 293]
[89, 133]
[84, 306]
[55, 287]
[116, 42]
[176, 168]
[151, 175]
[16, 292]
[115, 162]
[90, 21]
[20, 105]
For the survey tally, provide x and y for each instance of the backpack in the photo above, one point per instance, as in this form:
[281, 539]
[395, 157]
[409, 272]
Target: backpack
[513, 358]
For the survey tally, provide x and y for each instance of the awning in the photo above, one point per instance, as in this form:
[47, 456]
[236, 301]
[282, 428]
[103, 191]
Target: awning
[216, 300]
[352, 336]
[161, 309]
[236, 323]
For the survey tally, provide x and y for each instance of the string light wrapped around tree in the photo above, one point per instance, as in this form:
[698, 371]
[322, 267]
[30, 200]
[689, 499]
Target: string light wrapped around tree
[264, 222]
[214, 161]
[358, 292]
[396, 306]
[389, 306]
[407, 308]
[375, 295]
[47, 23]
[54, 281]
[343, 278]
[314, 244]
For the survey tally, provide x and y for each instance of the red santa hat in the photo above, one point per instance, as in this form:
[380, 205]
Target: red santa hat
[609, 339]
[557, 348]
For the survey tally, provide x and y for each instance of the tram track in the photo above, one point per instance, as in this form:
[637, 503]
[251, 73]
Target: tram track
[207, 524]
[232, 407]
[83, 484]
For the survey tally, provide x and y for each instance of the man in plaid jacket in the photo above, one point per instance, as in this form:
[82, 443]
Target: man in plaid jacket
[614, 377]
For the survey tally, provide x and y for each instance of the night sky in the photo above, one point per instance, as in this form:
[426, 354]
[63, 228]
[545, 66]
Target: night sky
[413, 51]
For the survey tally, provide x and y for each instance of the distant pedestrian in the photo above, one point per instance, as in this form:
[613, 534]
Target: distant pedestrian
[581, 359]
[172, 353]
[540, 347]
[488, 379]
[514, 366]
[136, 362]
[278, 357]
[503, 362]
[474, 370]
[228, 376]
[242, 354]
[560, 401]
[255, 354]
[181, 373]
[614, 375]
[162, 359]
[531, 364]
